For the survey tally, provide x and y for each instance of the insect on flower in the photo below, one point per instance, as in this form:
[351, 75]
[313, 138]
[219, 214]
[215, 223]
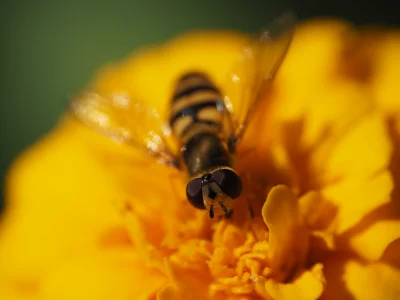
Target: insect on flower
[205, 122]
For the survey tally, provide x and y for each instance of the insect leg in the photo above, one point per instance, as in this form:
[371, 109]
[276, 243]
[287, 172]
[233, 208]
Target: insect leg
[211, 211]
[223, 207]
[229, 214]
[251, 211]
[252, 194]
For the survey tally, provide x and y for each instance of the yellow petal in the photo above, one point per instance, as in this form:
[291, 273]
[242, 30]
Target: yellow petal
[327, 122]
[309, 285]
[56, 191]
[160, 67]
[373, 281]
[302, 147]
[392, 254]
[394, 166]
[168, 292]
[372, 242]
[387, 65]
[344, 102]
[18, 290]
[288, 236]
[333, 271]
[314, 53]
[188, 283]
[369, 142]
[355, 197]
[348, 278]
[310, 207]
[117, 274]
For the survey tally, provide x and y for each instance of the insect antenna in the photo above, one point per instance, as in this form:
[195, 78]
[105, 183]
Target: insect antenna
[211, 211]
[223, 207]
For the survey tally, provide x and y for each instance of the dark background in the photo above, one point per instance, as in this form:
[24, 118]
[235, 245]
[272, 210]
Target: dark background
[48, 49]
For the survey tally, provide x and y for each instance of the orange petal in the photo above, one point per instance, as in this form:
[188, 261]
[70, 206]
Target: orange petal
[168, 292]
[188, 283]
[355, 197]
[373, 281]
[118, 274]
[372, 242]
[288, 236]
[55, 191]
[309, 285]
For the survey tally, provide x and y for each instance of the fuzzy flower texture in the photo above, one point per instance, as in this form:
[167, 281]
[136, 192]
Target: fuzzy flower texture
[88, 218]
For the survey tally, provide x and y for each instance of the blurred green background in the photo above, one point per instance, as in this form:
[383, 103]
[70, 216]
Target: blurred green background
[49, 49]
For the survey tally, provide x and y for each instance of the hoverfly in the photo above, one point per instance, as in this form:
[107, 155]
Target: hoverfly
[206, 122]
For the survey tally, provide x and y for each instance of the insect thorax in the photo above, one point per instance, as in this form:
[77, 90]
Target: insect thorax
[205, 151]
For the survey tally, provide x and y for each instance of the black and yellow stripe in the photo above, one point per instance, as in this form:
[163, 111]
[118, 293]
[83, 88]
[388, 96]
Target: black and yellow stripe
[191, 83]
[196, 121]
[195, 106]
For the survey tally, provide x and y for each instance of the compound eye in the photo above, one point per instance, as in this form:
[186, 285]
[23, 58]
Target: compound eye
[194, 193]
[229, 182]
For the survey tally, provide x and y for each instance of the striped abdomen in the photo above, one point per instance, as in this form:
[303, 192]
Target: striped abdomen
[196, 121]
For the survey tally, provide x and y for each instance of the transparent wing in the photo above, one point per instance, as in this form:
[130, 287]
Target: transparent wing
[125, 121]
[253, 74]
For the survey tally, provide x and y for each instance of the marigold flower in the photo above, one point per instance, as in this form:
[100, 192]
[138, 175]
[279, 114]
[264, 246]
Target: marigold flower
[91, 219]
